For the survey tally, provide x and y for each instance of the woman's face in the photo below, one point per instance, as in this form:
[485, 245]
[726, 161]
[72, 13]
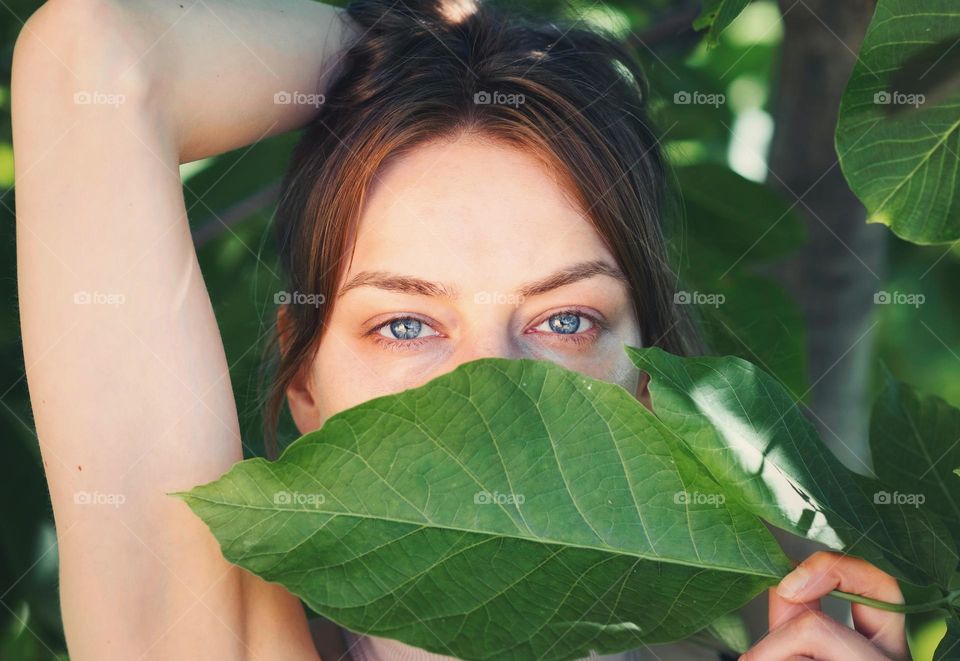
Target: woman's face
[467, 249]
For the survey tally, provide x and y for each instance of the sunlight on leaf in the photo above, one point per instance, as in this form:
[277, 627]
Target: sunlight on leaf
[829, 503]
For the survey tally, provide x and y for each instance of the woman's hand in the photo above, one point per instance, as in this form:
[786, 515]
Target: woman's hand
[799, 630]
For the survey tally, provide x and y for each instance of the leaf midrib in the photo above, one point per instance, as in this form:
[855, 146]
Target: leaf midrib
[923, 161]
[539, 540]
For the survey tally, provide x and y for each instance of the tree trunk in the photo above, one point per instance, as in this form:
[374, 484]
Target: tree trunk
[835, 276]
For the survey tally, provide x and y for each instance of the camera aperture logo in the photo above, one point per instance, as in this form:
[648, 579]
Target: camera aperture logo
[498, 298]
[484, 98]
[98, 298]
[895, 98]
[98, 98]
[298, 499]
[698, 298]
[697, 98]
[899, 298]
[699, 498]
[97, 498]
[897, 498]
[298, 298]
[284, 98]
[497, 498]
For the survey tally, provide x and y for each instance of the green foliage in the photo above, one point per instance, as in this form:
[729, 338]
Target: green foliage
[899, 135]
[914, 438]
[949, 648]
[731, 631]
[716, 15]
[735, 227]
[512, 507]
[518, 508]
[748, 432]
[239, 264]
[732, 219]
[919, 344]
[18, 641]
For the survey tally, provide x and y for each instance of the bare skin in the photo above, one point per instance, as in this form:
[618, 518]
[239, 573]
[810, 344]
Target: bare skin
[424, 209]
[130, 390]
[134, 400]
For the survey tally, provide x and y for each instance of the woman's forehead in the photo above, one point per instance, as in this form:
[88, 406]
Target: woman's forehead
[472, 199]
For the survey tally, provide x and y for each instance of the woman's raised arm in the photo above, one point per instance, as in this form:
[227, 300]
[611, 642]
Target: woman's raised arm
[128, 379]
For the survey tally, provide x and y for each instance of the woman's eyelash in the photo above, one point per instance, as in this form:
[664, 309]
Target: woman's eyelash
[399, 344]
[400, 317]
[577, 338]
[596, 321]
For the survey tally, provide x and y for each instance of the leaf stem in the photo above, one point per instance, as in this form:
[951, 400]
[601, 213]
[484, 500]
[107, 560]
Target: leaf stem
[946, 600]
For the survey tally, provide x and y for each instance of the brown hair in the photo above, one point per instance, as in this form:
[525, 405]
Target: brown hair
[421, 73]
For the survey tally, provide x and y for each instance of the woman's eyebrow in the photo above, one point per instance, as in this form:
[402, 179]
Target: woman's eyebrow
[405, 284]
[408, 284]
[571, 274]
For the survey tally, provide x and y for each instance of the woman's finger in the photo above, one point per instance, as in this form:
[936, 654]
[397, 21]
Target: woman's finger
[816, 636]
[825, 571]
[780, 611]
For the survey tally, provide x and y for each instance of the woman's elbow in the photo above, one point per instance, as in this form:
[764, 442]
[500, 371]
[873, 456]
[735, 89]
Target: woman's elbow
[71, 53]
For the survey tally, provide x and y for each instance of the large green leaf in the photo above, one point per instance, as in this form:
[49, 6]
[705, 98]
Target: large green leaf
[748, 432]
[731, 630]
[915, 440]
[505, 510]
[899, 143]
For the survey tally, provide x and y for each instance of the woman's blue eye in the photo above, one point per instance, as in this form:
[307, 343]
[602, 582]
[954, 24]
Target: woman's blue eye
[566, 323]
[405, 328]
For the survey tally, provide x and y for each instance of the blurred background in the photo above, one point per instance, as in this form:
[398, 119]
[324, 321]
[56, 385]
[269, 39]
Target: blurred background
[771, 248]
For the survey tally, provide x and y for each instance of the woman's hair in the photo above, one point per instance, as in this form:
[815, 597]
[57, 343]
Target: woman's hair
[425, 70]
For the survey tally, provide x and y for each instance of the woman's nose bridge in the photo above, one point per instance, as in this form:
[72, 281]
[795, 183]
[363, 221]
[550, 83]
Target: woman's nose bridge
[489, 342]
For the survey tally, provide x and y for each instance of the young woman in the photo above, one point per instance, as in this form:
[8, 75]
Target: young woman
[470, 186]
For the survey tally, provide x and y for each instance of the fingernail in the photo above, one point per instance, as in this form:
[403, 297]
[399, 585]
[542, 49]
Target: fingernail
[793, 583]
